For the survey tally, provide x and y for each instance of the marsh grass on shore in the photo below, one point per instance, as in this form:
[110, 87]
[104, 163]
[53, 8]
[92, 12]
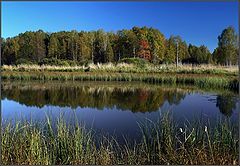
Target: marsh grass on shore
[204, 76]
[131, 68]
[132, 86]
[201, 81]
[162, 142]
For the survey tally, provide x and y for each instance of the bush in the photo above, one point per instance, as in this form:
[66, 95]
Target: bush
[136, 61]
[72, 63]
[85, 62]
[54, 61]
[63, 63]
[48, 61]
[23, 61]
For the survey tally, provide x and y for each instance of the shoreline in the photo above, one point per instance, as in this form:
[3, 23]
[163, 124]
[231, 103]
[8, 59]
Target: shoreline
[199, 80]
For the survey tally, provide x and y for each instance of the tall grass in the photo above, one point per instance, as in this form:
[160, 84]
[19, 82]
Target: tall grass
[8, 85]
[162, 142]
[131, 68]
[201, 81]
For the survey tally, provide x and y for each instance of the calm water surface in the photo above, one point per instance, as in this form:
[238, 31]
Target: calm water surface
[113, 108]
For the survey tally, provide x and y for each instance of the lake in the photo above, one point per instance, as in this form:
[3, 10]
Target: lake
[114, 108]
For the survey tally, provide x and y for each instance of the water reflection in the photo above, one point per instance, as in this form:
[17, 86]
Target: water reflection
[134, 97]
[226, 104]
[113, 108]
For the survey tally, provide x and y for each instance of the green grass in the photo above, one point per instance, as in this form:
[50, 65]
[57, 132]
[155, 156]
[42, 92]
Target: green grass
[109, 86]
[162, 142]
[205, 76]
[200, 80]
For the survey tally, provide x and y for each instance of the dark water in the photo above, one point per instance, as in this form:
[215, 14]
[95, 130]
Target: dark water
[113, 108]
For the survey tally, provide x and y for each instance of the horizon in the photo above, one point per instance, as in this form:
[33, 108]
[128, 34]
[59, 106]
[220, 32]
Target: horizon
[19, 17]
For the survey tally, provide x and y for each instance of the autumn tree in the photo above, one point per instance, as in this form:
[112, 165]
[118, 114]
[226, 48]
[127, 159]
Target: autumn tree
[144, 50]
[143, 43]
[157, 45]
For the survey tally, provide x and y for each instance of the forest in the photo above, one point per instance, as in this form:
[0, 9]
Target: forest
[70, 48]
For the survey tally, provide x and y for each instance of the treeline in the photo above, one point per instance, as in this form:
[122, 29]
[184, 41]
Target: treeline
[72, 47]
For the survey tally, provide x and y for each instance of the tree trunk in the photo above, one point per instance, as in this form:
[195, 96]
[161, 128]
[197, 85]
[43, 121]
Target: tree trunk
[119, 56]
[177, 57]
[92, 53]
[134, 53]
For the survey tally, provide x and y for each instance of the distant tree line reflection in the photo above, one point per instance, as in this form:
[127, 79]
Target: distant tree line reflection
[133, 99]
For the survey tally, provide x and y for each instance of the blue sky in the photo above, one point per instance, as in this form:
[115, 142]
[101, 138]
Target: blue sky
[196, 22]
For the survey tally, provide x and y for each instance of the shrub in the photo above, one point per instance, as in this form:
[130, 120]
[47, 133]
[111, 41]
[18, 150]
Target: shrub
[72, 63]
[63, 63]
[49, 61]
[55, 62]
[136, 61]
[23, 61]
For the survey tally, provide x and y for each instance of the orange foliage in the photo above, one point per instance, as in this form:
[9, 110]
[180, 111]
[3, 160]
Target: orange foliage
[144, 51]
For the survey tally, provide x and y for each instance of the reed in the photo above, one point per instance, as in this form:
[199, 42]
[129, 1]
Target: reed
[162, 142]
[130, 68]
[201, 81]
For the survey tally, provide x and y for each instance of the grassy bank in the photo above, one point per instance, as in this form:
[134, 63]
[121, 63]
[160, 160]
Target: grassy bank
[199, 80]
[108, 86]
[162, 142]
[131, 68]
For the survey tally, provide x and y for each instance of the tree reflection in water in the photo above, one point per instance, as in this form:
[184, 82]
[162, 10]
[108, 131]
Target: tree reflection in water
[137, 98]
[226, 104]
